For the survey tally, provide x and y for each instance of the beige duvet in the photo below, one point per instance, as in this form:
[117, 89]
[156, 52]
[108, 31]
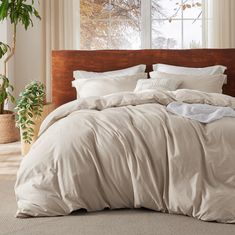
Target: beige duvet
[126, 151]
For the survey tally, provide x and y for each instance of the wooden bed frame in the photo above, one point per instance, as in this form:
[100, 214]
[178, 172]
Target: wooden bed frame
[65, 62]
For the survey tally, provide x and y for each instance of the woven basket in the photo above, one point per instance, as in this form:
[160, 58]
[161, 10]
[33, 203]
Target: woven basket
[8, 131]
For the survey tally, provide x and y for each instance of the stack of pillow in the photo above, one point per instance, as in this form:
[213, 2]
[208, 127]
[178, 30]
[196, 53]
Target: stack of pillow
[208, 79]
[100, 84]
[169, 77]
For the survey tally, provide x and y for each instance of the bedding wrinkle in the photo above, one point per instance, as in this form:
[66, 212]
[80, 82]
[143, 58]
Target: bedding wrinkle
[201, 172]
[175, 140]
[166, 146]
[149, 162]
[106, 182]
[171, 149]
[126, 151]
[114, 134]
[102, 125]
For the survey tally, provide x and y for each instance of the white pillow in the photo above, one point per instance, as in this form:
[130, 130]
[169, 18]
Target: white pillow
[123, 72]
[165, 68]
[206, 83]
[168, 84]
[104, 86]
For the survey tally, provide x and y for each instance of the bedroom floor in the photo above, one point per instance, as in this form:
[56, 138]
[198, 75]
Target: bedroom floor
[10, 158]
[125, 222]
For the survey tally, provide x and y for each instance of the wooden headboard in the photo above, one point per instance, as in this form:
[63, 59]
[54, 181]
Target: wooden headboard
[65, 62]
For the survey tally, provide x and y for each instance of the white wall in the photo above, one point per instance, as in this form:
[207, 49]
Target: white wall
[3, 38]
[6, 37]
[27, 57]
[25, 66]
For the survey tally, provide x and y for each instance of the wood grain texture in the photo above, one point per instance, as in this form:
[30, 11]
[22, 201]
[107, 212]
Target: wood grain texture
[65, 62]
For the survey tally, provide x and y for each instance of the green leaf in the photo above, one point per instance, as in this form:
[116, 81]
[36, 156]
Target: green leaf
[4, 9]
[30, 122]
[4, 90]
[18, 11]
[29, 106]
[30, 114]
[4, 48]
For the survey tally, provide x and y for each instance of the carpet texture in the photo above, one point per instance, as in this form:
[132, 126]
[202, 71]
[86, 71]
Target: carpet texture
[124, 222]
[10, 158]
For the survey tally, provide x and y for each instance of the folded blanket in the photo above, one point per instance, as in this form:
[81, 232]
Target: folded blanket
[200, 112]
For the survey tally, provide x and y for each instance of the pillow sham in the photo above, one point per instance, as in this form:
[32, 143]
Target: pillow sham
[123, 72]
[211, 70]
[168, 84]
[104, 86]
[206, 83]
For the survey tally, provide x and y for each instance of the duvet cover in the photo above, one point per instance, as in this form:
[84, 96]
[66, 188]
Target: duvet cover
[126, 151]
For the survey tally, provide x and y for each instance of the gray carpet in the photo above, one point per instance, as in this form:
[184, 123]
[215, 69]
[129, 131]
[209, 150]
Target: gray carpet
[124, 222]
[10, 158]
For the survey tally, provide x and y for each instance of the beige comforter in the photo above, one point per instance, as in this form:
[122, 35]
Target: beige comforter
[126, 151]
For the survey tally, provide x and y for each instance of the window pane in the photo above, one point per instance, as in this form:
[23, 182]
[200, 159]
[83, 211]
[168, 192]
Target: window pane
[166, 34]
[110, 24]
[166, 9]
[193, 9]
[192, 34]
[94, 35]
[93, 10]
[126, 9]
[124, 35]
[177, 23]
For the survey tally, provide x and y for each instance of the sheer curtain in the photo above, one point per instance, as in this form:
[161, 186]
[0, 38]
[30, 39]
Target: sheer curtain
[221, 23]
[60, 31]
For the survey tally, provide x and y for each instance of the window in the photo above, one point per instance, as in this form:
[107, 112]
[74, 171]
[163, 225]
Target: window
[110, 24]
[135, 24]
[177, 24]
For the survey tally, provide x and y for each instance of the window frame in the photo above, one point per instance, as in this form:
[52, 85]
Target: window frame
[146, 24]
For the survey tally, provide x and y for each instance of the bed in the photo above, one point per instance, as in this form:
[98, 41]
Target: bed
[126, 150]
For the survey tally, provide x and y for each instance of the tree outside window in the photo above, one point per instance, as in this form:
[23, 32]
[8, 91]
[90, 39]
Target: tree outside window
[117, 24]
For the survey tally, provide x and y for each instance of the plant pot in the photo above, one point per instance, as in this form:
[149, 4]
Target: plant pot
[8, 131]
[47, 109]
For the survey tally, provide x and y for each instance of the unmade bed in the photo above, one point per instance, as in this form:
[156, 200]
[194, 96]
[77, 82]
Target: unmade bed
[127, 149]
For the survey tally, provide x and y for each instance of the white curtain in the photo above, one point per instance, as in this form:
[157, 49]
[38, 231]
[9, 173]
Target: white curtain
[60, 31]
[221, 23]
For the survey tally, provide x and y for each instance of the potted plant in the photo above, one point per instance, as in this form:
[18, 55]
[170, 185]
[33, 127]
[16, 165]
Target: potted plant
[8, 131]
[29, 110]
[18, 12]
